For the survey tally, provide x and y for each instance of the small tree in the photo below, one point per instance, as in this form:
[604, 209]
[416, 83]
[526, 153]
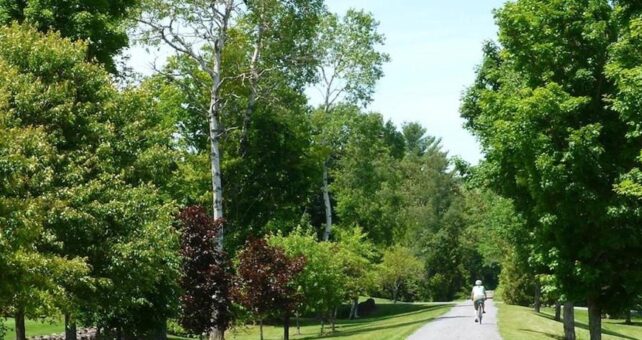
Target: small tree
[322, 281]
[399, 267]
[264, 282]
[206, 277]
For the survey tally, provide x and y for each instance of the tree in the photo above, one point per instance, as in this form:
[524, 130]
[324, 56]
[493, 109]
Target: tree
[264, 59]
[264, 282]
[542, 108]
[202, 37]
[206, 279]
[355, 254]
[349, 67]
[399, 267]
[322, 281]
[94, 201]
[102, 24]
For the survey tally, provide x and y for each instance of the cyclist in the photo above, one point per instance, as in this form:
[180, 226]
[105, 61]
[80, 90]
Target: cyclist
[478, 295]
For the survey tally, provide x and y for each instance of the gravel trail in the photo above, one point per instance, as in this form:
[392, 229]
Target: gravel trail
[459, 324]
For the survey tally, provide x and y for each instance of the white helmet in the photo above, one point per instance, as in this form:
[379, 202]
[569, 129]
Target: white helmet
[478, 283]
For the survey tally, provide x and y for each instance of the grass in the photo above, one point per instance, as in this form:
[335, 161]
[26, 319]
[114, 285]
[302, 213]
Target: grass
[390, 321]
[523, 323]
[35, 327]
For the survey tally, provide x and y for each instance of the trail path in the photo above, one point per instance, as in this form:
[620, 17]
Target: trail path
[459, 324]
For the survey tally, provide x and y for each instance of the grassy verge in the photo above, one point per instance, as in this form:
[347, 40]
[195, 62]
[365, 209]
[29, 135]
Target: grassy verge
[517, 322]
[35, 327]
[390, 321]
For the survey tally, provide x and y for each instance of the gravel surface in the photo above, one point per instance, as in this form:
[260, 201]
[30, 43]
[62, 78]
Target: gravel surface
[459, 323]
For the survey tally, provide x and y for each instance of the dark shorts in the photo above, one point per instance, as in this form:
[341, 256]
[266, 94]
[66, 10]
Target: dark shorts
[478, 303]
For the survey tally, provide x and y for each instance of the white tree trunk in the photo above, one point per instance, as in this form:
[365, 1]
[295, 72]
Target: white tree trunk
[215, 134]
[328, 204]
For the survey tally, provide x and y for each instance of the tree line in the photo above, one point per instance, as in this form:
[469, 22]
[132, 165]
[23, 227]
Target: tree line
[214, 191]
[555, 106]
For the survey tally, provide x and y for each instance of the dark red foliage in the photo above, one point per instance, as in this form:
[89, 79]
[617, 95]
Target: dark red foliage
[207, 278]
[264, 280]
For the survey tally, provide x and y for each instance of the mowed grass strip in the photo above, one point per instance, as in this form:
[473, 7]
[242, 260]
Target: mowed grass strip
[522, 323]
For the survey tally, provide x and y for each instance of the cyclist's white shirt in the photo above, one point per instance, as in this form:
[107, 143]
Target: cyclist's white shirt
[479, 292]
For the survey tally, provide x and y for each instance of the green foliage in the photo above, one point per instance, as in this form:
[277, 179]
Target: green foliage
[554, 114]
[399, 268]
[102, 24]
[349, 63]
[322, 281]
[80, 205]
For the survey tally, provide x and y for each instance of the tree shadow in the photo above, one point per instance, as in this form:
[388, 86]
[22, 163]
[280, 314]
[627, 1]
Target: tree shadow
[549, 335]
[339, 333]
[585, 326]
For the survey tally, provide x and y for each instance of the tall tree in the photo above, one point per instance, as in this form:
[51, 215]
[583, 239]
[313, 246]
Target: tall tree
[199, 31]
[350, 64]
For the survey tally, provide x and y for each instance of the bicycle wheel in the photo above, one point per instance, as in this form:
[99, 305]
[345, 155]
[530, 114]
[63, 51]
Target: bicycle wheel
[479, 313]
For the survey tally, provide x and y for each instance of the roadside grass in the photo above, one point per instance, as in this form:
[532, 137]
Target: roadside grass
[522, 323]
[390, 321]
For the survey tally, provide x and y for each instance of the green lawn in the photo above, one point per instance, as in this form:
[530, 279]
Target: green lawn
[390, 321]
[521, 323]
[35, 327]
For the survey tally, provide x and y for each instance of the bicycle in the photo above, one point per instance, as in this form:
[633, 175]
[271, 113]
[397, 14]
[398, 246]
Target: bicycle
[479, 310]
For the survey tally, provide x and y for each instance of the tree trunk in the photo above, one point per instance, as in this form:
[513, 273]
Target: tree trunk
[298, 323]
[628, 316]
[354, 310]
[160, 333]
[70, 327]
[334, 319]
[538, 293]
[328, 204]
[322, 324]
[261, 329]
[569, 321]
[286, 326]
[558, 310]
[20, 325]
[216, 334]
[595, 319]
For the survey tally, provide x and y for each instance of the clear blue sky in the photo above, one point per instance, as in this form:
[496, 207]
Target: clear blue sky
[435, 46]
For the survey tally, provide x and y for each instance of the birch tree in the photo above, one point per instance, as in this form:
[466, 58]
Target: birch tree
[197, 29]
[350, 64]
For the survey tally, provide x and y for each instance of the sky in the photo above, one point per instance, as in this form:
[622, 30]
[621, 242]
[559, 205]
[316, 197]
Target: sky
[434, 47]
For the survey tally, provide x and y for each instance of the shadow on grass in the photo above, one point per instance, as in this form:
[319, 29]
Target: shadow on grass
[340, 333]
[582, 326]
[549, 335]
[385, 312]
